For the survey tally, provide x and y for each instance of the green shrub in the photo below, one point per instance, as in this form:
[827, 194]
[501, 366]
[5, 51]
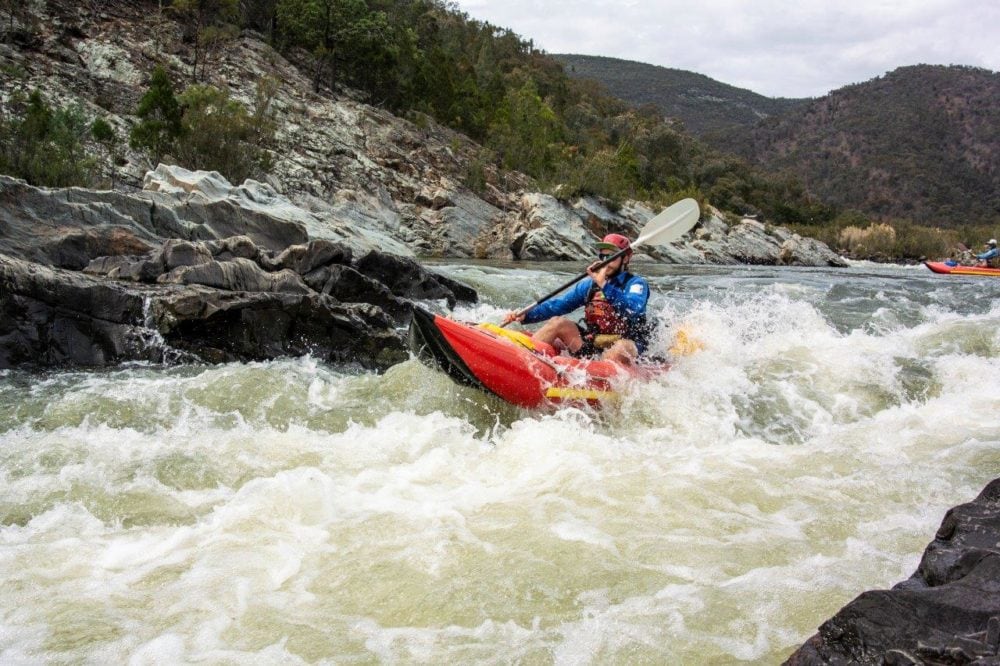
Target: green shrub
[219, 135]
[160, 115]
[45, 146]
[203, 128]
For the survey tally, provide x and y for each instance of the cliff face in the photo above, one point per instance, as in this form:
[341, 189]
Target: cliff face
[331, 153]
[363, 175]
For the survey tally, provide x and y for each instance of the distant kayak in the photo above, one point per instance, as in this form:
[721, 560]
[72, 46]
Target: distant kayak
[514, 366]
[947, 269]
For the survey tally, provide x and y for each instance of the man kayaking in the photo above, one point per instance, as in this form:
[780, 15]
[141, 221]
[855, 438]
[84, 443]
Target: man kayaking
[991, 257]
[614, 302]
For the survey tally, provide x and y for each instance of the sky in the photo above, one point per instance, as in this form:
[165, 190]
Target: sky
[778, 48]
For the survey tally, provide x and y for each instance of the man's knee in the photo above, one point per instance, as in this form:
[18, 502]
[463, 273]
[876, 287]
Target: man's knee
[623, 351]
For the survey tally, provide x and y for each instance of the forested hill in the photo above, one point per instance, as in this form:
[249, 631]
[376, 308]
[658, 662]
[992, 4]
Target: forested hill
[145, 80]
[701, 103]
[921, 142]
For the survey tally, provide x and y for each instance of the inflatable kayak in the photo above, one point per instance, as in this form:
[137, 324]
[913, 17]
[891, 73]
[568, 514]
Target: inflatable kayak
[515, 367]
[947, 269]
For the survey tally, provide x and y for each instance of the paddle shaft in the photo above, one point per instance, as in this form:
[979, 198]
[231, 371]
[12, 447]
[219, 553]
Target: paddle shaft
[569, 284]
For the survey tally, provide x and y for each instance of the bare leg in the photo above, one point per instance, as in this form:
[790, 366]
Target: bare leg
[623, 351]
[560, 332]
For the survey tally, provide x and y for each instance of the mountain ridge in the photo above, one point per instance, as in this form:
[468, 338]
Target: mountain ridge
[919, 143]
[701, 103]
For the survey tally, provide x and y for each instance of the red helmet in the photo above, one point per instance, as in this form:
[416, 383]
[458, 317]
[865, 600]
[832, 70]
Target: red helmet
[615, 242]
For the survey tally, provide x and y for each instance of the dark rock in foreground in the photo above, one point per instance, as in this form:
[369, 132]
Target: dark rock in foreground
[948, 612]
[54, 317]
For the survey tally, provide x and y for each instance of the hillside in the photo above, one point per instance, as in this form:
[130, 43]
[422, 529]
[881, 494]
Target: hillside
[701, 103]
[921, 142]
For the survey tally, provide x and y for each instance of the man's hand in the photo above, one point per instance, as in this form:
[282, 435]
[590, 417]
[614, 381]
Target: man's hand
[598, 275]
[512, 316]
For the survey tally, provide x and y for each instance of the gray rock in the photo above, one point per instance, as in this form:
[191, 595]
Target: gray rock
[752, 242]
[551, 231]
[76, 248]
[35, 221]
[237, 275]
[222, 326]
[51, 316]
[55, 317]
[406, 278]
[234, 247]
[176, 253]
[346, 284]
[948, 612]
[304, 258]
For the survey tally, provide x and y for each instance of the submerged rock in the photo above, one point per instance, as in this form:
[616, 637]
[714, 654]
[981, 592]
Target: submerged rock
[947, 612]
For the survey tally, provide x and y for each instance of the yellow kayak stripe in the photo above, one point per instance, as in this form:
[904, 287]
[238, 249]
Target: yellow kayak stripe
[567, 393]
[514, 336]
[972, 270]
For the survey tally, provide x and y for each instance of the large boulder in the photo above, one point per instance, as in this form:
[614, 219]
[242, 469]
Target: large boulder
[304, 258]
[549, 230]
[346, 284]
[53, 317]
[947, 612]
[220, 209]
[406, 278]
[237, 275]
[76, 248]
[751, 242]
[70, 226]
[219, 326]
[455, 223]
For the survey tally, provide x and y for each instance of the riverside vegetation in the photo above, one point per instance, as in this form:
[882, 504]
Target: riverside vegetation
[422, 59]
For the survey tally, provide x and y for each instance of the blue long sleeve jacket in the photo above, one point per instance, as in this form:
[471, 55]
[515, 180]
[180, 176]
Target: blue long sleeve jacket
[992, 253]
[627, 293]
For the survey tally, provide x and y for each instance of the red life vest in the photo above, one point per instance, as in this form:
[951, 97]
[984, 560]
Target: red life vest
[601, 316]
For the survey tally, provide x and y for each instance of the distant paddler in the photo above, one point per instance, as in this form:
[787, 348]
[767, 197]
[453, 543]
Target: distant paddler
[991, 257]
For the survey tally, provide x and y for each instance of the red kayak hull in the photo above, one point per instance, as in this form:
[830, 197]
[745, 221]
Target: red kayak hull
[476, 357]
[945, 269]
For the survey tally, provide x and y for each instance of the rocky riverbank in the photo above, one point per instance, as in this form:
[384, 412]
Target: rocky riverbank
[947, 612]
[349, 170]
[193, 269]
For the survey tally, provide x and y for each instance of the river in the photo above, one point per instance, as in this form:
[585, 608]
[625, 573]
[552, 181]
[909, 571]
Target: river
[295, 512]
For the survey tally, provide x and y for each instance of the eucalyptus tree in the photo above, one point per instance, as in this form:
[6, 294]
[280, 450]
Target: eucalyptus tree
[208, 24]
[347, 42]
[160, 117]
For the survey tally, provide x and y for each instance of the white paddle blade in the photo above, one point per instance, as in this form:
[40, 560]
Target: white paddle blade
[671, 224]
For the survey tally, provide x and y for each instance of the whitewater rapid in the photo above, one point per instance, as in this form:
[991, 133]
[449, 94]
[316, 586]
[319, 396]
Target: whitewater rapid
[295, 512]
